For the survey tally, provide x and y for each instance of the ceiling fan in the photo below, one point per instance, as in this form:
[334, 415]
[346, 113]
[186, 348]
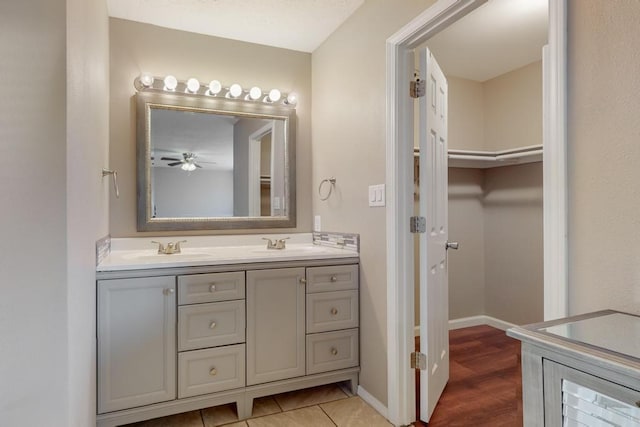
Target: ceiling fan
[188, 162]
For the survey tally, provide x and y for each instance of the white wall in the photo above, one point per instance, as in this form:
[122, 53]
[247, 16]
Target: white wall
[349, 144]
[178, 193]
[87, 192]
[33, 307]
[603, 156]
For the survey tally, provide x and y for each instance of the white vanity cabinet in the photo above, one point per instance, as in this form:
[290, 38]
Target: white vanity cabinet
[136, 342]
[177, 339]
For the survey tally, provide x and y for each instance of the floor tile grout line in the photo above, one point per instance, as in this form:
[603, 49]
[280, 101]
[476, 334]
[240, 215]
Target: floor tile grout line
[329, 416]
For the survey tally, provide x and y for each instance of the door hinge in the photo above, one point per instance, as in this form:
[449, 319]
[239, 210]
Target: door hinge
[417, 88]
[418, 361]
[418, 224]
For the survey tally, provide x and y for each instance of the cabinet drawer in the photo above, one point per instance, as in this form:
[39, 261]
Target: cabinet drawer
[198, 288]
[333, 278]
[210, 370]
[330, 311]
[210, 325]
[329, 351]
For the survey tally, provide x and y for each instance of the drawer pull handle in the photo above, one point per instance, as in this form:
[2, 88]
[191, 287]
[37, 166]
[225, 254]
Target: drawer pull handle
[334, 311]
[168, 291]
[303, 280]
[334, 351]
[212, 288]
[212, 325]
[334, 279]
[213, 372]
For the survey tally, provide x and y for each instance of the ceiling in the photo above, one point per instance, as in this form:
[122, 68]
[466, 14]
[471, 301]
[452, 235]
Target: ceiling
[498, 37]
[300, 25]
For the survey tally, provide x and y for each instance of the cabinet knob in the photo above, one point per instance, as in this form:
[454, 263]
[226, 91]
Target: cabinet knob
[334, 311]
[334, 351]
[212, 325]
[213, 372]
[212, 288]
[303, 281]
[334, 279]
[169, 291]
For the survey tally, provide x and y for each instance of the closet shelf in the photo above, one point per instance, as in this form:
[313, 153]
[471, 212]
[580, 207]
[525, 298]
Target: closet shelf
[492, 159]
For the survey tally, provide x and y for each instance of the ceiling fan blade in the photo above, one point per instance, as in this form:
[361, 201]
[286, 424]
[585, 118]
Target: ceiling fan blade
[173, 159]
[174, 164]
[209, 163]
[197, 165]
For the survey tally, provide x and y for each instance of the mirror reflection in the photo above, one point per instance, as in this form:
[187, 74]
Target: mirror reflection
[212, 167]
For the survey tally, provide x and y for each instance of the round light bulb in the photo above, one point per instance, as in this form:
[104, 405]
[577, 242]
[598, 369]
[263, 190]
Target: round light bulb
[235, 90]
[185, 166]
[170, 82]
[274, 95]
[193, 85]
[255, 93]
[214, 87]
[292, 98]
[146, 79]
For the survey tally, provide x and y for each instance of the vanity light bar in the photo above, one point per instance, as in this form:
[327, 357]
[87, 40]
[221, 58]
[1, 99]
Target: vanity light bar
[192, 86]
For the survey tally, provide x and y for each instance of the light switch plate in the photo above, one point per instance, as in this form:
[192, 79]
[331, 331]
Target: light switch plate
[377, 195]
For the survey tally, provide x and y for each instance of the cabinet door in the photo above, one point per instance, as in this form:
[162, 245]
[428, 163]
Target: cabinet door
[136, 342]
[275, 325]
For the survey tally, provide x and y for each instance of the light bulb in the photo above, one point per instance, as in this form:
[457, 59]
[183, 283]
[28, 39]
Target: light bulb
[235, 90]
[193, 85]
[146, 79]
[185, 166]
[255, 93]
[170, 83]
[292, 98]
[192, 167]
[214, 87]
[274, 95]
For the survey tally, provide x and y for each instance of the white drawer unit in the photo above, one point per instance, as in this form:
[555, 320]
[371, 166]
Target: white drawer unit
[330, 311]
[332, 278]
[211, 370]
[329, 351]
[211, 287]
[211, 325]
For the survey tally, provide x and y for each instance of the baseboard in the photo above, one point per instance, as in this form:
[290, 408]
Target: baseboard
[467, 322]
[373, 402]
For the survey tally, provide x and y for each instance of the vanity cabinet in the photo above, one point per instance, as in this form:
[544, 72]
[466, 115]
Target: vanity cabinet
[186, 338]
[275, 324]
[136, 342]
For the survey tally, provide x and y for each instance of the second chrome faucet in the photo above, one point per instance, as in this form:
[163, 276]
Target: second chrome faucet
[171, 248]
[277, 244]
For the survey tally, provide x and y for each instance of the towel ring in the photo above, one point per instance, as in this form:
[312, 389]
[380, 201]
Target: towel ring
[332, 183]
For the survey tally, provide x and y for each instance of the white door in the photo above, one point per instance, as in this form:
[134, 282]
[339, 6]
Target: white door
[434, 288]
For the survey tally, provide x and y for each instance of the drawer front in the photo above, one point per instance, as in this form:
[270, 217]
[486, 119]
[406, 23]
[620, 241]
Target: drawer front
[329, 351]
[199, 288]
[333, 278]
[211, 370]
[330, 311]
[210, 325]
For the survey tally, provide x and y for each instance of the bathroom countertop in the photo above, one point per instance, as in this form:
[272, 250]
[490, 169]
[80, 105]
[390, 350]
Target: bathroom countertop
[140, 259]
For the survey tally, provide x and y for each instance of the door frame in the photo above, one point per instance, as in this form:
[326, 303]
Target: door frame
[399, 184]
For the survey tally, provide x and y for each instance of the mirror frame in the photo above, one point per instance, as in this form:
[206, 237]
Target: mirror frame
[149, 98]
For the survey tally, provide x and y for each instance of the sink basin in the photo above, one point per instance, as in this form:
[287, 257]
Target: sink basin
[156, 256]
[289, 251]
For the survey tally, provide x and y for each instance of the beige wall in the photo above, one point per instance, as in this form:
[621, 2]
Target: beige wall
[603, 156]
[466, 113]
[87, 192]
[137, 47]
[513, 243]
[513, 108]
[466, 226]
[349, 144]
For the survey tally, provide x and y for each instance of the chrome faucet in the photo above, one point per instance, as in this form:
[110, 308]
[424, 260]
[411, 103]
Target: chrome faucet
[278, 244]
[171, 248]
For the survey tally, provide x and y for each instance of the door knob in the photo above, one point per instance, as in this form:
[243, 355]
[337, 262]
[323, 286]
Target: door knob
[452, 245]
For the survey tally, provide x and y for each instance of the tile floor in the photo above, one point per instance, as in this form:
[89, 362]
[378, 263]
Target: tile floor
[331, 405]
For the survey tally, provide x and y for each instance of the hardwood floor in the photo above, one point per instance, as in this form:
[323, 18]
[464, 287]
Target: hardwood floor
[485, 381]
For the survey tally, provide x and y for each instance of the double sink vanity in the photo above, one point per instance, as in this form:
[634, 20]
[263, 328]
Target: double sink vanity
[225, 320]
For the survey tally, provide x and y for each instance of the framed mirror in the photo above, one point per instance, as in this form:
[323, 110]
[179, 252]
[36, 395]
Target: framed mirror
[214, 163]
